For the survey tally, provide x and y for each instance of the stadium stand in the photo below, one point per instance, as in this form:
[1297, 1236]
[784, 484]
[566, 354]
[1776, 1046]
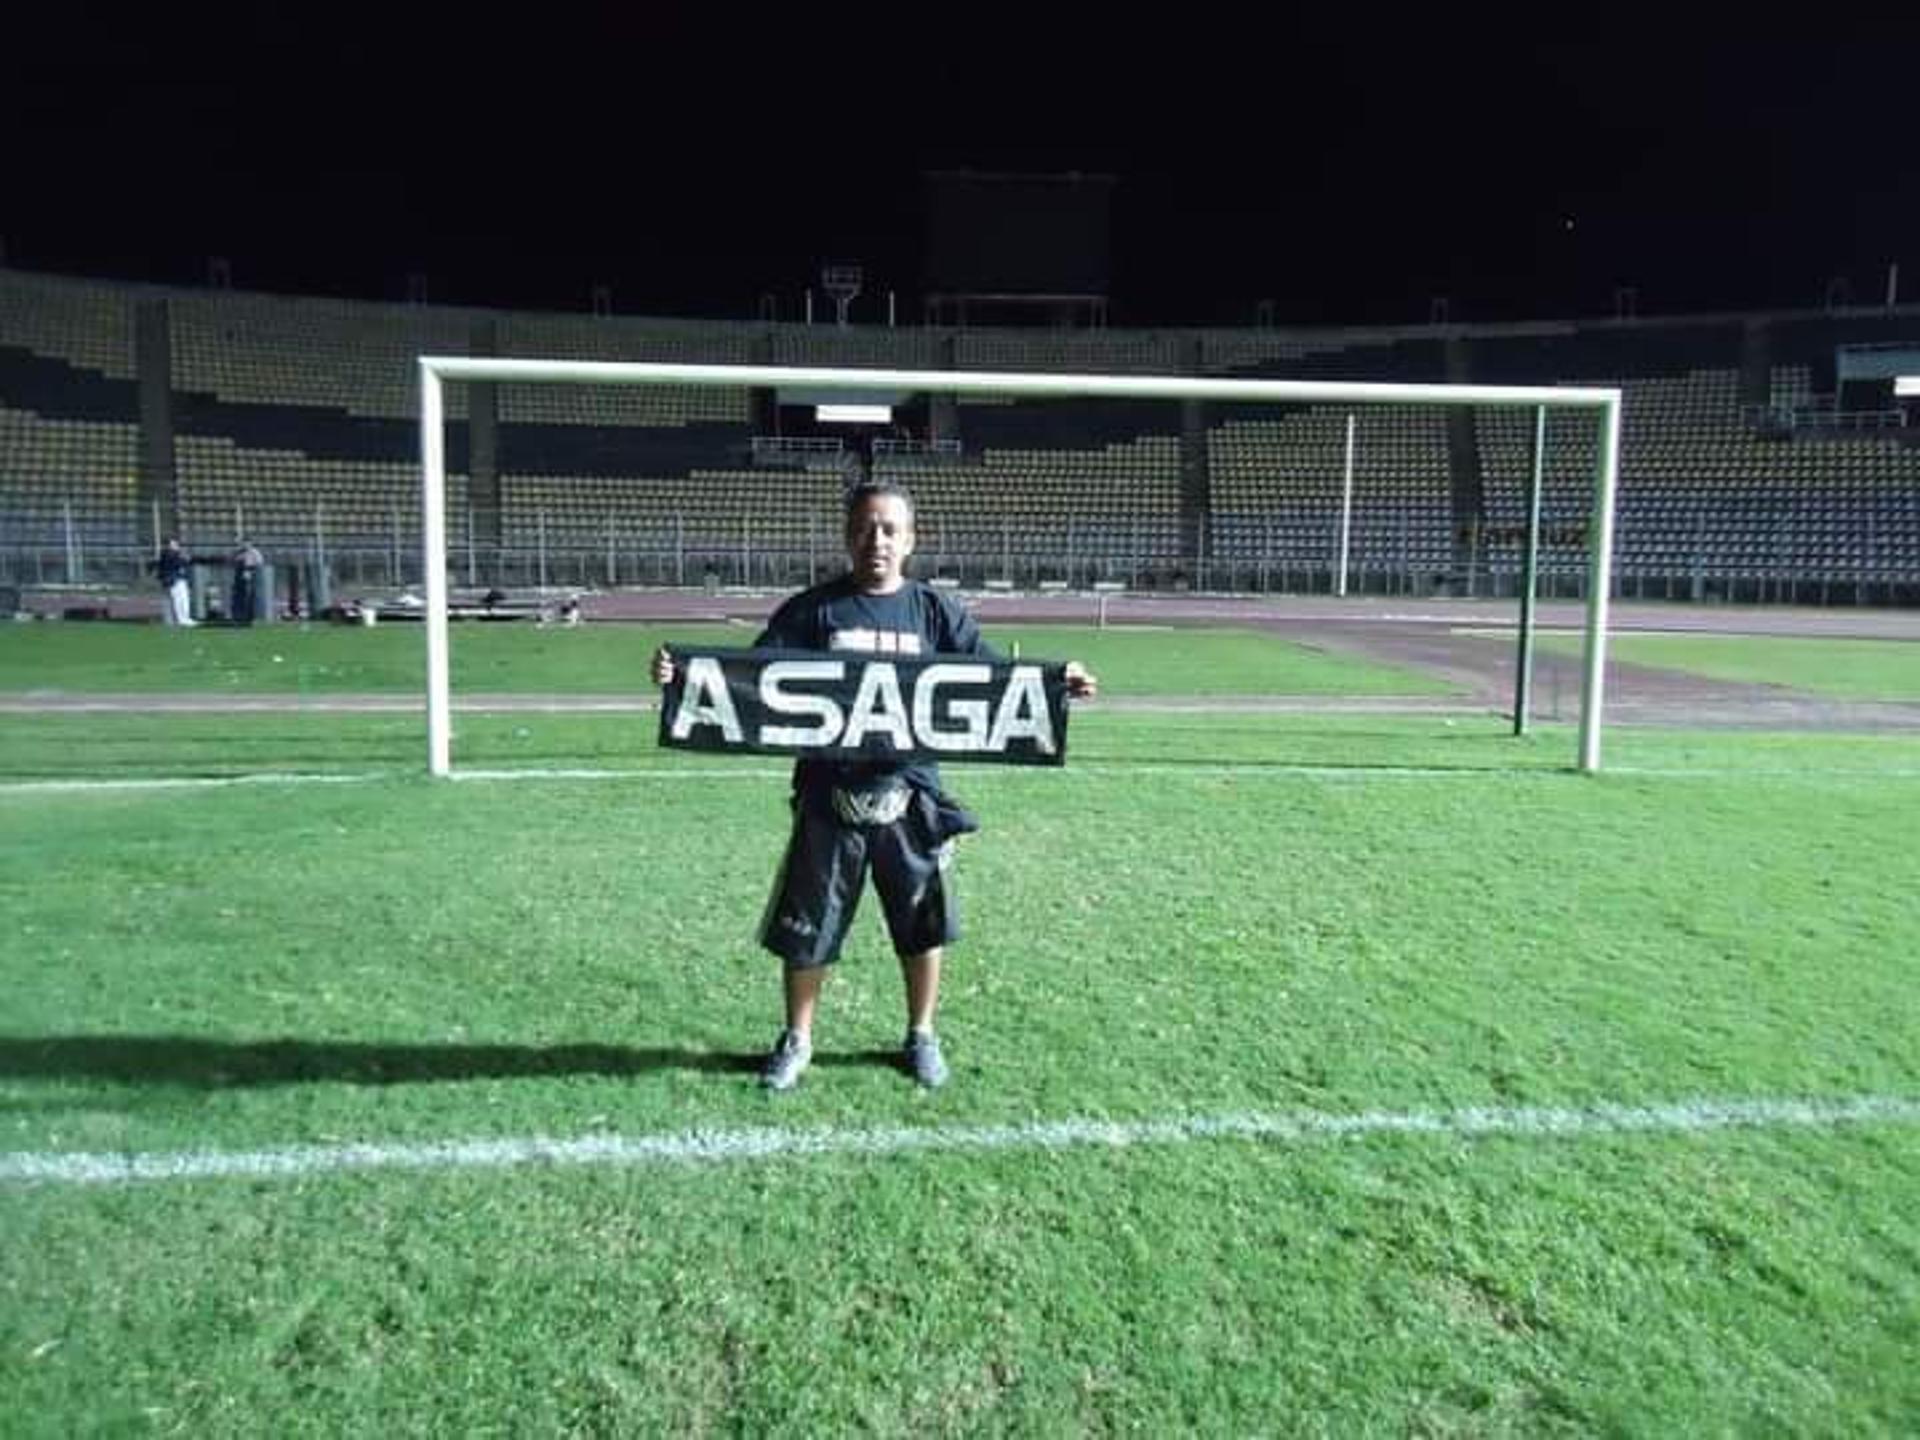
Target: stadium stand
[68, 482]
[1276, 496]
[86, 326]
[1087, 352]
[69, 431]
[880, 349]
[1075, 515]
[746, 527]
[339, 356]
[127, 410]
[1708, 507]
[249, 491]
[611, 338]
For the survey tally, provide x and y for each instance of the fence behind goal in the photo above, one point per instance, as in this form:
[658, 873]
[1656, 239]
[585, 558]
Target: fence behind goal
[1025, 492]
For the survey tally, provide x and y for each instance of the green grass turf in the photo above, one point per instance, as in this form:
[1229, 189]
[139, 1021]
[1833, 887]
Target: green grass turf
[401, 959]
[143, 744]
[1843, 669]
[1212, 662]
[613, 659]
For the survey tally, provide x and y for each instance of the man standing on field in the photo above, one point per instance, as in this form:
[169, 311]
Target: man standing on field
[173, 566]
[852, 818]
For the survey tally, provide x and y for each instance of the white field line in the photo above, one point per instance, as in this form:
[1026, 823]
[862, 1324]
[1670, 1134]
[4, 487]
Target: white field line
[1096, 770]
[1687, 772]
[1106, 771]
[738, 772]
[719, 1147]
[85, 785]
[1354, 774]
[273, 777]
[661, 772]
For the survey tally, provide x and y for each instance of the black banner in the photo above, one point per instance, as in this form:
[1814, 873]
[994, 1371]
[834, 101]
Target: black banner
[848, 706]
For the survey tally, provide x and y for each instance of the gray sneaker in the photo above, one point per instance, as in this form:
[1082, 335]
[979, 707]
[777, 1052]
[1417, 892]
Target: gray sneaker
[922, 1056]
[790, 1056]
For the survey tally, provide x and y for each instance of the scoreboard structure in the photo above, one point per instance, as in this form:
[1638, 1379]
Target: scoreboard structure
[1005, 247]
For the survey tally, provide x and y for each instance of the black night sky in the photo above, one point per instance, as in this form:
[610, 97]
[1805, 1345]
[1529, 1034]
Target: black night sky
[694, 158]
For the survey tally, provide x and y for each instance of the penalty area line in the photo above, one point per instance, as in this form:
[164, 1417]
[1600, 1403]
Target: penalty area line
[107, 784]
[81, 785]
[720, 1147]
[1093, 770]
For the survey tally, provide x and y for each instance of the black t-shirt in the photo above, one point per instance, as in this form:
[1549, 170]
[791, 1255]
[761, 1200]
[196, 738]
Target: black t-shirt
[913, 621]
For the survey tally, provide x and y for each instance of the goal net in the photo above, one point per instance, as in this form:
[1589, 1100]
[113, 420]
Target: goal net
[1195, 483]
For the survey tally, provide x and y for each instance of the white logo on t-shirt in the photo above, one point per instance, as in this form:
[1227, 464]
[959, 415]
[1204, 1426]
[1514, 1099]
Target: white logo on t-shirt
[875, 642]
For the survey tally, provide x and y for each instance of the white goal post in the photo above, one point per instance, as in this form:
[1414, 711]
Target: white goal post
[436, 370]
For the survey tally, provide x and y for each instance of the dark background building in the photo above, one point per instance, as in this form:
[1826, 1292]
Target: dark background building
[688, 163]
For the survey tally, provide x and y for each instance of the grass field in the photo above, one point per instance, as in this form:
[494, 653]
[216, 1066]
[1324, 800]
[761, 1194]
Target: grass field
[1842, 669]
[1416, 928]
[612, 659]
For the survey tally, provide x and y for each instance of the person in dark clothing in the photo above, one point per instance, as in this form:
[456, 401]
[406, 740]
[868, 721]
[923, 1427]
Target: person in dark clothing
[173, 566]
[247, 561]
[854, 819]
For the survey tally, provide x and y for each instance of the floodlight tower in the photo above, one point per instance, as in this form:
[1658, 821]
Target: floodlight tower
[843, 283]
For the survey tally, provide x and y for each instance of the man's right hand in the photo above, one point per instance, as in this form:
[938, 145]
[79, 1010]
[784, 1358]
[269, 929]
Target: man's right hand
[663, 667]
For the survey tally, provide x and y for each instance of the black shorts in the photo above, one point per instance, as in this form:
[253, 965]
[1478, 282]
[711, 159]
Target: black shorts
[817, 891]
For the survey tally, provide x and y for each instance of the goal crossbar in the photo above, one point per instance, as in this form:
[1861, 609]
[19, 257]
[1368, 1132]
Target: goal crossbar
[436, 370]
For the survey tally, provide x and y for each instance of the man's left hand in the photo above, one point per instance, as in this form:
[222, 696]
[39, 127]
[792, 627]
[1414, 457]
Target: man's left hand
[1081, 684]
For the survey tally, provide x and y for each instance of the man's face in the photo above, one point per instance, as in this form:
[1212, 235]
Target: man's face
[879, 540]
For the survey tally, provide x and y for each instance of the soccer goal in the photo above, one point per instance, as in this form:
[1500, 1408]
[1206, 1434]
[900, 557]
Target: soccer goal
[1600, 405]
